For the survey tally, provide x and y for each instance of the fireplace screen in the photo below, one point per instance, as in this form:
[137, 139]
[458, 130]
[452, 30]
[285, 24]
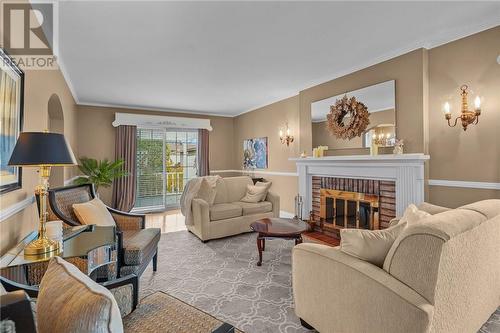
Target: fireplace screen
[342, 209]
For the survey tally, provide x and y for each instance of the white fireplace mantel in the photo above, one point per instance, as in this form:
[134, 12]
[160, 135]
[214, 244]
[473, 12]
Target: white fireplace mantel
[407, 170]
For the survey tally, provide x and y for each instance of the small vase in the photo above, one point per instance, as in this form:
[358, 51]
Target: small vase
[398, 150]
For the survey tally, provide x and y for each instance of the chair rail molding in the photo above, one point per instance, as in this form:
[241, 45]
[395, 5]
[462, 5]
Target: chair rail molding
[16, 208]
[406, 170]
[464, 184]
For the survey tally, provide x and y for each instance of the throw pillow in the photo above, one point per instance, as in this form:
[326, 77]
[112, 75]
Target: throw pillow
[267, 185]
[412, 215]
[70, 301]
[94, 212]
[369, 245]
[206, 192]
[254, 193]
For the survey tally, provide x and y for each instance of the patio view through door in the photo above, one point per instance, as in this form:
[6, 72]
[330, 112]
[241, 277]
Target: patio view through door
[166, 160]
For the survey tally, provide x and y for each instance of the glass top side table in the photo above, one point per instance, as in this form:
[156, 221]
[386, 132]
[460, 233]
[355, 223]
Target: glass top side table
[87, 247]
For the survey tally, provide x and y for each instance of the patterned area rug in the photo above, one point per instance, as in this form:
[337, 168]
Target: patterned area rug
[221, 278]
[160, 312]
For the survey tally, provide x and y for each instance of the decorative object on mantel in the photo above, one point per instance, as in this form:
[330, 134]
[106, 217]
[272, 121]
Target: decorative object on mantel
[348, 118]
[303, 154]
[398, 146]
[319, 151]
[255, 153]
[285, 136]
[374, 148]
[466, 116]
[44, 150]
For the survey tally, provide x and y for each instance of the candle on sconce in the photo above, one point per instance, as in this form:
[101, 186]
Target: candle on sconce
[447, 108]
[477, 104]
[281, 133]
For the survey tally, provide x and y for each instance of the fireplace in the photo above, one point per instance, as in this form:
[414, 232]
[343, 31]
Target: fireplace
[397, 180]
[345, 209]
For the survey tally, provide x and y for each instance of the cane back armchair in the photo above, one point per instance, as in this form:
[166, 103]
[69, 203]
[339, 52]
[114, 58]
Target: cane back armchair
[137, 246]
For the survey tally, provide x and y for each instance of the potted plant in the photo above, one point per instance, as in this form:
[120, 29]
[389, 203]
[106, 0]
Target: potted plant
[101, 173]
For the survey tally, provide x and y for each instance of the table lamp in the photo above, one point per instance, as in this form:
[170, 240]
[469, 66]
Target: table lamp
[43, 150]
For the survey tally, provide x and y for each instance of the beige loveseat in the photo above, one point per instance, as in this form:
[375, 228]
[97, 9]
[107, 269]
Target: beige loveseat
[228, 215]
[441, 275]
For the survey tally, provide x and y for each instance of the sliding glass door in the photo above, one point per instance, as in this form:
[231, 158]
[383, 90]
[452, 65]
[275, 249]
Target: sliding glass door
[166, 160]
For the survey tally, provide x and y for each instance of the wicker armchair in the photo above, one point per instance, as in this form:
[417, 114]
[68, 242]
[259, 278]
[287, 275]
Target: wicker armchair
[18, 300]
[137, 246]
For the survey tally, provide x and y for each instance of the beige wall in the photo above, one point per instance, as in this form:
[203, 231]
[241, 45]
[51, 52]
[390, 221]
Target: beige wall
[407, 70]
[472, 155]
[96, 136]
[267, 121]
[39, 85]
[424, 80]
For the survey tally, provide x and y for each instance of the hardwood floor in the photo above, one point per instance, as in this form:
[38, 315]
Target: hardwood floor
[169, 221]
[318, 237]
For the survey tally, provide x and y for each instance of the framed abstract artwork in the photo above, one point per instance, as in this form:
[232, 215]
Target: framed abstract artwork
[11, 120]
[255, 153]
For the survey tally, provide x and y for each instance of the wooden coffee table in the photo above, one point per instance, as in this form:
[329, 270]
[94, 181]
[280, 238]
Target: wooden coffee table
[277, 228]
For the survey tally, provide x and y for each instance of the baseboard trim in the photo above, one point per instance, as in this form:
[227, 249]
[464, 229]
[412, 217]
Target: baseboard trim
[16, 208]
[258, 172]
[286, 214]
[464, 184]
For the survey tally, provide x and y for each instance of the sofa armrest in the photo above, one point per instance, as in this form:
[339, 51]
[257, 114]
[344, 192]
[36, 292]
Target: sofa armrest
[274, 199]
[335, 292]
[201, 216]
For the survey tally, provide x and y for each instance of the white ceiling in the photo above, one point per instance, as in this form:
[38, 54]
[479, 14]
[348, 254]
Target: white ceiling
[227, 58]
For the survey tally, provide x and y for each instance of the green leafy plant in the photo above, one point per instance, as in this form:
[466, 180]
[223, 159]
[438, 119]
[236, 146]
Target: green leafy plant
[100, 173]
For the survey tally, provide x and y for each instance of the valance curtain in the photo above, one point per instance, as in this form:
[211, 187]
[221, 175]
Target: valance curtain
[202, 157]
[124, 188]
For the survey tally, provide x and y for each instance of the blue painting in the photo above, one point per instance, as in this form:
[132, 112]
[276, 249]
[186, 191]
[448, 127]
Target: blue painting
[255, 153]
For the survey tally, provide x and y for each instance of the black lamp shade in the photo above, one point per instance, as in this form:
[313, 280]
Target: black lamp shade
[40, 148]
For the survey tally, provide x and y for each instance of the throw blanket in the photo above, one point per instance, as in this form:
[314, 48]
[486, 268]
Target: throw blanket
[190, 192]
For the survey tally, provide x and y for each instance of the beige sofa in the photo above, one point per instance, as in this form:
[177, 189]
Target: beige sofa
[442, 275]
[228, 215]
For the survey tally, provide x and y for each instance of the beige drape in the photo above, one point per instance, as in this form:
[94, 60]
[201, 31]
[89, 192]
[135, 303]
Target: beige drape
[124, 188]
[202, 157]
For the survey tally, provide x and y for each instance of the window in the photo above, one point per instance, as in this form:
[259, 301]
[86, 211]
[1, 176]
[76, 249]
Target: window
[166, 161]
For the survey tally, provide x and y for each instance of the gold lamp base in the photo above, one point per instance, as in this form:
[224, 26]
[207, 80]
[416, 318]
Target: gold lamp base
[42, 247]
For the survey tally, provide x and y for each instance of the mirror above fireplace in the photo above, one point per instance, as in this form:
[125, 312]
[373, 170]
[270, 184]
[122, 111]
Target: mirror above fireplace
[380, 102]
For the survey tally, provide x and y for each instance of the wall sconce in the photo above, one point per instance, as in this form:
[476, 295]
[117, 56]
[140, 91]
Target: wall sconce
[287, 138]
[467, 117]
